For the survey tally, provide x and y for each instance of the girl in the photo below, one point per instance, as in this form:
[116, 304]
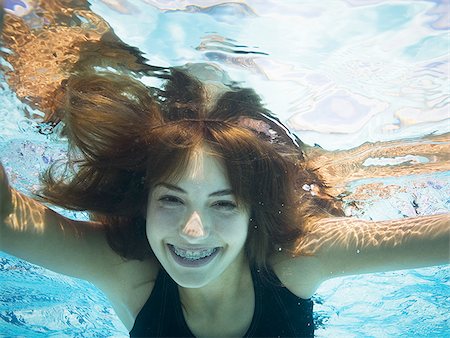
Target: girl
[207, 218]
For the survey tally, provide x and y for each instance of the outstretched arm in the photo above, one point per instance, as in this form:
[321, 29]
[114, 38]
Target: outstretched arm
[31, 231]
[346, 246]
[340, 246]
[5, 195]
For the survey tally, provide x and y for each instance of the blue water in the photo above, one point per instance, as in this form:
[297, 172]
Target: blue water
[338, 73]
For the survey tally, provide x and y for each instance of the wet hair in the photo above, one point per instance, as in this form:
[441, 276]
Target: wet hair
[125, 138]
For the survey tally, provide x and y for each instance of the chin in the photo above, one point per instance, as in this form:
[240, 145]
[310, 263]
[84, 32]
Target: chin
[192, 280]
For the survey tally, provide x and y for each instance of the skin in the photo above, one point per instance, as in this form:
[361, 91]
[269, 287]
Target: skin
[188, 214]
[199, 211]
[333, 247]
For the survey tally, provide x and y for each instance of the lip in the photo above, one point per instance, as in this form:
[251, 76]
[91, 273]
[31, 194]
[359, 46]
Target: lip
[197, 263]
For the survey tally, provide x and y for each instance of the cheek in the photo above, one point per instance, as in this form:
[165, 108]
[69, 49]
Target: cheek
[160, 220]
[234, 229]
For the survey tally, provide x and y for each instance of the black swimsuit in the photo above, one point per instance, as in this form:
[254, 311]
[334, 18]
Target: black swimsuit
[278, 312]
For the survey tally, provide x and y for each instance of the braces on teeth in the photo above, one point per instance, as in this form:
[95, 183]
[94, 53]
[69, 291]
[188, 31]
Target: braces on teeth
[188, 254]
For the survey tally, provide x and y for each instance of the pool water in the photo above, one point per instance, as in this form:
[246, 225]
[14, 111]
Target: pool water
[338, 73]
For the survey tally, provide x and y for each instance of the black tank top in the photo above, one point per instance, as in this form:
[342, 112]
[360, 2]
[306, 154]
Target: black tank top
[278, 312]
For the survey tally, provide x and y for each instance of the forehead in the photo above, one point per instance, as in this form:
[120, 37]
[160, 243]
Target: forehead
[203, 168]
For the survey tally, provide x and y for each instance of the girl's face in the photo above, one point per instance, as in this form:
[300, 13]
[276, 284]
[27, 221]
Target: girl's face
[194, 225]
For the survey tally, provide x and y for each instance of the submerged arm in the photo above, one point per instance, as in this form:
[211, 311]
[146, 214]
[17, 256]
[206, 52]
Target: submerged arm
[5, 195]
[346, 246]
[340, 246]
[31, 231]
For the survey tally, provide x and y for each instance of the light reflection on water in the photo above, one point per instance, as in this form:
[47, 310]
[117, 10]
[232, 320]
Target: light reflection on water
[339, 73]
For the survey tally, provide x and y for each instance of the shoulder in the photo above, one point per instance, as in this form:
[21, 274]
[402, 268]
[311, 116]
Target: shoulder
[129, 287]
[300, 275]
[301, 269]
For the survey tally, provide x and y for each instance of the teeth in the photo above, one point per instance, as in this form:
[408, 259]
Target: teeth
[190, 254]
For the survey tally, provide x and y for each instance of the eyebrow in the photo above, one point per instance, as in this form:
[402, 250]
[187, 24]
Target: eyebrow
[223, 192]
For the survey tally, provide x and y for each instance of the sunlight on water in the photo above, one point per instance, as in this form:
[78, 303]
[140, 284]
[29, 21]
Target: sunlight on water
[339, 73]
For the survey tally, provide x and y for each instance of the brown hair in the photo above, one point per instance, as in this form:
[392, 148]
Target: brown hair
[125, 138]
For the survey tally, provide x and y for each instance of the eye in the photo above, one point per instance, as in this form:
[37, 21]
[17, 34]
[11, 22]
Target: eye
[170, 201]
[225, 205]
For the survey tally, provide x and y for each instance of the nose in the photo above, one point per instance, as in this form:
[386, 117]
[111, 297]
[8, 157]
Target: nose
[194, 228]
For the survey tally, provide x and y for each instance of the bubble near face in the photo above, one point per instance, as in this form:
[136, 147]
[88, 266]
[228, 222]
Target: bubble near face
[194, 224]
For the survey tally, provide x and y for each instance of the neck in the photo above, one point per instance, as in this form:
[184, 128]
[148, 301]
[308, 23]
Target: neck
[224, 290]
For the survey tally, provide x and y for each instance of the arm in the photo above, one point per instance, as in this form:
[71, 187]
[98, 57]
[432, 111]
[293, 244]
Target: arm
[346, 246]
[334, 247]
[33, 232]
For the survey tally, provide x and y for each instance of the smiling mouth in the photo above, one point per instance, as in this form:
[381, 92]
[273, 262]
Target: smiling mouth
[193, 258]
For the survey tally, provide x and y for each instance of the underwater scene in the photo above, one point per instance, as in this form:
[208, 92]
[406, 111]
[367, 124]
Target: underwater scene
[365, 80]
